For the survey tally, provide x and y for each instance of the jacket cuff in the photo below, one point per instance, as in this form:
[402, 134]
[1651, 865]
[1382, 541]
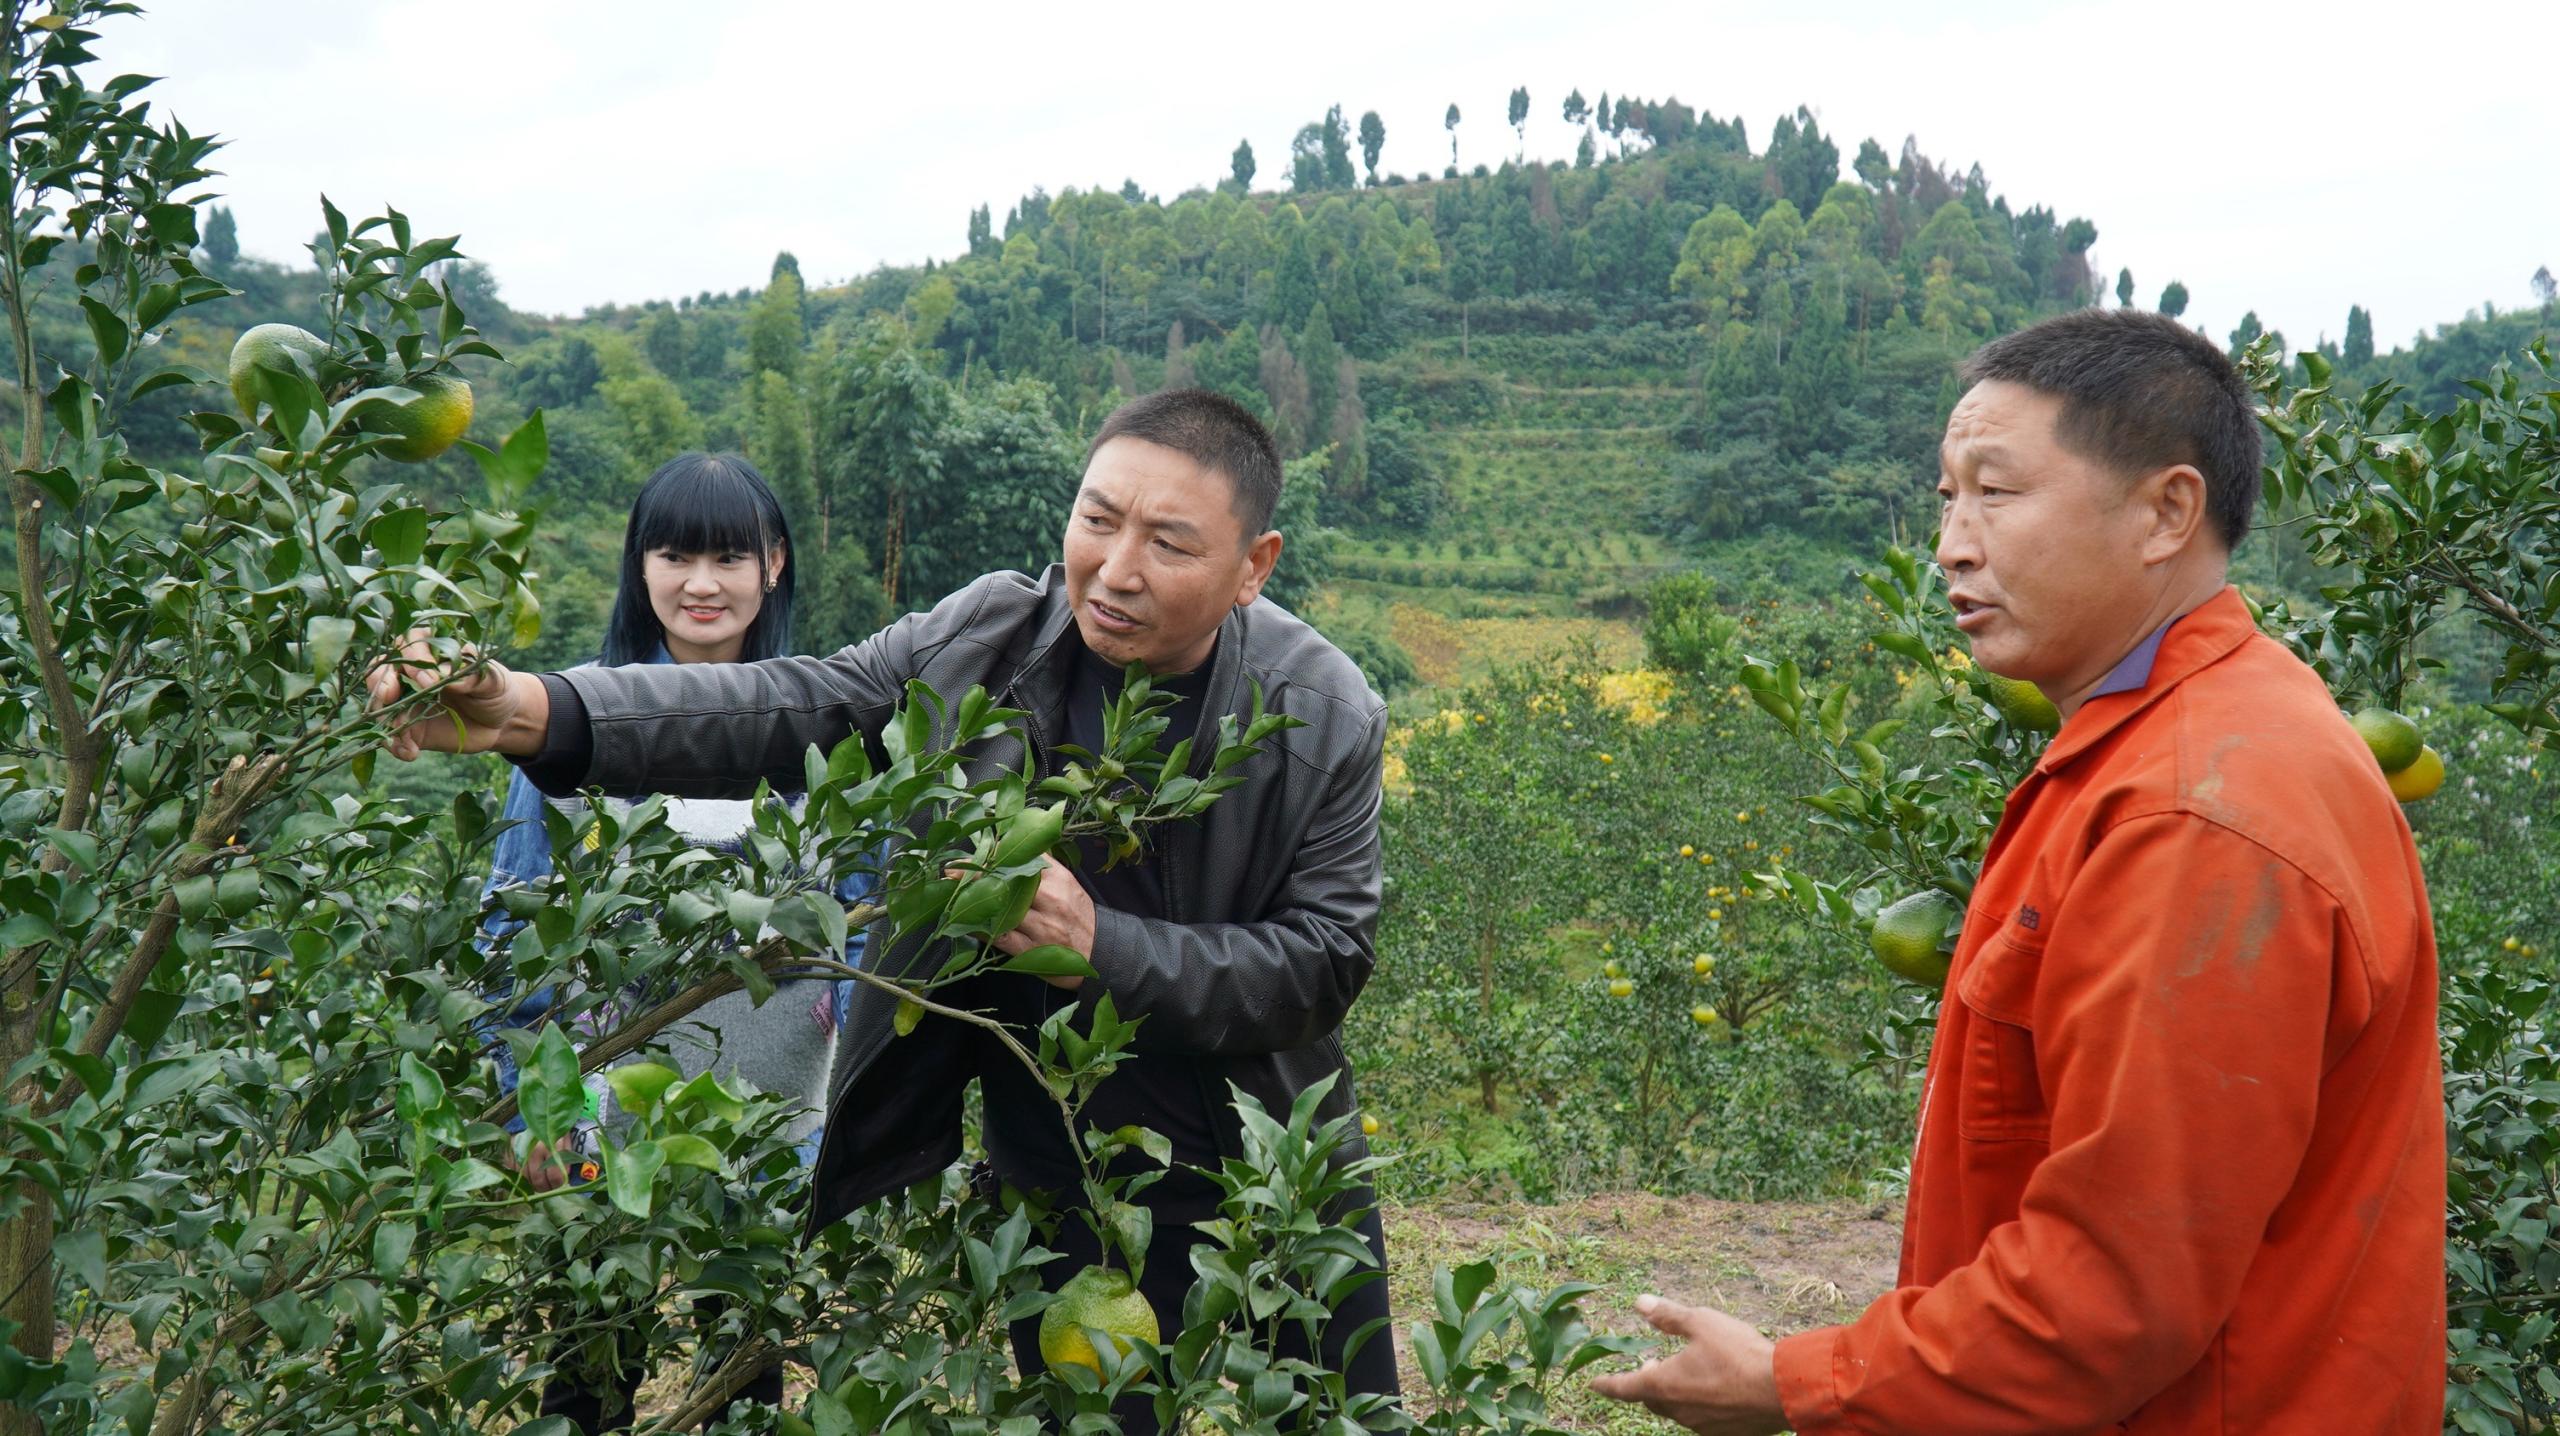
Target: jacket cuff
[568, 743]
[1808, 1390]
[1116, 934]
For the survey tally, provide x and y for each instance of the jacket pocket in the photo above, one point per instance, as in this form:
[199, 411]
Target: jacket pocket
[2002, 1100]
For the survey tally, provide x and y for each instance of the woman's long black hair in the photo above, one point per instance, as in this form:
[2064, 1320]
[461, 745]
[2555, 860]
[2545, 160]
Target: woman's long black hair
[701, 503]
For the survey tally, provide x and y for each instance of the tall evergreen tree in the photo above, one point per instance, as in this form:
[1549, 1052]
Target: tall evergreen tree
[1373, 138]
[1520, 118]
[1306, 160]
[2173, 300]
[2545, 288]
[775, 331]
[221, 238]
[1575, 110]
[1449, 122]
[2124, 288]
[1872, 167]
[1338, 173]
[2358, 350]
[982, 231]
[1240, 167]
[785, 262]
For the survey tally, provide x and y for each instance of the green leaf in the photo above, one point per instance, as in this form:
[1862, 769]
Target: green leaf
[392, 1243]
[511, 469]
[400, 536]
[325, 642]
[814, 921]
[630, 1172]
[83, 1253]
[550, 1089]
[704, 1091]
[748, 913]
[114, 336]
[686, 911]
[420, 1095]
[687, 1150]
[1049, 960]
[637, 1086]
[156, 1082]
[80, 848]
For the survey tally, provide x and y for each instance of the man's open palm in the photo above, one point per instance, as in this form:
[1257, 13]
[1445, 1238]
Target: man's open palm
[1723, 1383]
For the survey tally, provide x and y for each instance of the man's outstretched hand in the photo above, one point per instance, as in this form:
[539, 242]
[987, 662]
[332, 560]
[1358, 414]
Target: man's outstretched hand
[485, 707]
[1723, 1383]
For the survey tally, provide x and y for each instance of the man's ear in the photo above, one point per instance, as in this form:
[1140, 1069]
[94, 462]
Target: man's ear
[1259, 559]
[2175, 501]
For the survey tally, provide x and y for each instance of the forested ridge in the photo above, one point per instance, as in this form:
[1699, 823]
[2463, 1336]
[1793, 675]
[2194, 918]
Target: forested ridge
[1543, 378]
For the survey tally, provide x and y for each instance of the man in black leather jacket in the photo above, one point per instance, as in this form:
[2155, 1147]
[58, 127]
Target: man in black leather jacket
[1241, 940]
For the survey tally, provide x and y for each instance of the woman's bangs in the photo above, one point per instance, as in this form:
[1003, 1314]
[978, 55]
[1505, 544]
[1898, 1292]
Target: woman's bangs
[707, 508]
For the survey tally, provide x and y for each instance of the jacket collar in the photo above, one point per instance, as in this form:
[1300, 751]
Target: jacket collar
[1039, 681]
[2187, 646]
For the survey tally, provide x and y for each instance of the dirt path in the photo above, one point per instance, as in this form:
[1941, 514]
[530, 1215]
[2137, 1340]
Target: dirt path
[1782, 1267]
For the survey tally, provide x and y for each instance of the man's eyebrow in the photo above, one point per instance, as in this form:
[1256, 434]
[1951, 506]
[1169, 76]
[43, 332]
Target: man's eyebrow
[1099, 500]
[1982, 451]
[1179, 528]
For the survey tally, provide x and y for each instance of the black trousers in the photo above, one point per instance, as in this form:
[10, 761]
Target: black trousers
[1168, 1279]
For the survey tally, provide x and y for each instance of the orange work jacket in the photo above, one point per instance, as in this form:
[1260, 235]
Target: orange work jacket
[2181, 1163]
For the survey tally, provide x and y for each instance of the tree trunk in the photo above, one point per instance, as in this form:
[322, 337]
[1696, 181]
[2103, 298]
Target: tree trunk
[893, 548]
[1486, 944]
[26, 1242]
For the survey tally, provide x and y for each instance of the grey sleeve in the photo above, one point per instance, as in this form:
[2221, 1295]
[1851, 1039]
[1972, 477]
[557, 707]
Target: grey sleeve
[714, 730]
[1232, 989]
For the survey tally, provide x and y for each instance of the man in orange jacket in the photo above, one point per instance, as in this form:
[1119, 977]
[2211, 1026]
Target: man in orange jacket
[2181, 1153]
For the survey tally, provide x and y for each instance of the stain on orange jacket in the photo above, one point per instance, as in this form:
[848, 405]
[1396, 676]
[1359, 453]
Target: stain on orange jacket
[2181, 1161]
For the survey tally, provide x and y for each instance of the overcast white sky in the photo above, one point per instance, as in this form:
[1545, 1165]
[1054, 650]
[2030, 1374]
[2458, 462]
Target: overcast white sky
[2286, 158]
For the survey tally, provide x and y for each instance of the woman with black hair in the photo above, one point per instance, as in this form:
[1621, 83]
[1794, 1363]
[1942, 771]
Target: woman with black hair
[706, 578]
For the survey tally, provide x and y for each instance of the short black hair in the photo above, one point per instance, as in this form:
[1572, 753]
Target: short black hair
[2141, 391]
[701, 503]
[1212, 431]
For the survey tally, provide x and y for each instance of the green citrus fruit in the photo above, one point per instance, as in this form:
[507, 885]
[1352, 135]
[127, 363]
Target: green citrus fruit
[2393, 739]
[1620, 987]
[2024, 705]
[427, 425]
[1702, 964]
[276, 346]
[2420, 779]
[1101, 1298]
[1705, 1016]
[1907, 937]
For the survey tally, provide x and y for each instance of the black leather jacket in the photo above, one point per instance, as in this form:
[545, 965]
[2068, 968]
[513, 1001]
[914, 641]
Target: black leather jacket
[1272, 896]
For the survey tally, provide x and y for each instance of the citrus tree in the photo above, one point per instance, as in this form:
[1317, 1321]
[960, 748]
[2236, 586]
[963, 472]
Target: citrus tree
[257, 1157]
[1580, 988]
[2424, 525]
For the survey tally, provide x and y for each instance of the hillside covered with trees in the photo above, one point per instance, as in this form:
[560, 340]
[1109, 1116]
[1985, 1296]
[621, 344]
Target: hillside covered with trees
[1547, 380]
